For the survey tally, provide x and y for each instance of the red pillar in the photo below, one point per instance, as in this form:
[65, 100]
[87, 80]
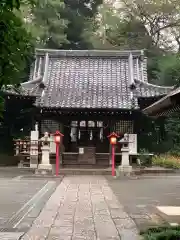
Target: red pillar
[113, 160]
[57, 159]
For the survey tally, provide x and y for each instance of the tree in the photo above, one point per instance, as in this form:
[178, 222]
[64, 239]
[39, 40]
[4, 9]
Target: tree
[15, 57]
[117, 31]
[15, 44]
[78, 13]
[1, 107]
[14, 4]
[169, 70]
[16, 49]
[62, 24]
[48, 25]
[159, 17]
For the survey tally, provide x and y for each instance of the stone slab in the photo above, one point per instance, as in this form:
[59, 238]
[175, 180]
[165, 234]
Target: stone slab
[10, 235]
[169, 210]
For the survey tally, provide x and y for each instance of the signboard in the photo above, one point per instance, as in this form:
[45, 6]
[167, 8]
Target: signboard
[133, 143]
[81, 150]
[52, 145]
[34, 143]
[34, 135]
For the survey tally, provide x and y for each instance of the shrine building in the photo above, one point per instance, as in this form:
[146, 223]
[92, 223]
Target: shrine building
[87, 94]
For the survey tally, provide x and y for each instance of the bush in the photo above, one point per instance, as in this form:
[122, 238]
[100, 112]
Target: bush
[145, 159]
[166, 161]
[162, 233]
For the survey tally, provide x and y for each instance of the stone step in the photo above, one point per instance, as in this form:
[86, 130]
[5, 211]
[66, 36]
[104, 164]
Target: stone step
[85, 165]
[85, 171]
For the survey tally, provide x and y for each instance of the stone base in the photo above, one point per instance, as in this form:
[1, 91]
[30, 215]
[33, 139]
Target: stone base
[45, 166]
[44, 169]
[125, 170]
[33, 161]
[33, 165]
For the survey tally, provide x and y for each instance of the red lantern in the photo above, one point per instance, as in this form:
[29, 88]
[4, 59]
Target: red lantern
[57, 137]
[113, 138]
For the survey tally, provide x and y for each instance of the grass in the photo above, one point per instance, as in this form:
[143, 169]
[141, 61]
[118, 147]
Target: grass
[167, 161]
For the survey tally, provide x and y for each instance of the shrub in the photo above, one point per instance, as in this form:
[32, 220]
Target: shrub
[145, 159]
[162, 233]
[166, 161]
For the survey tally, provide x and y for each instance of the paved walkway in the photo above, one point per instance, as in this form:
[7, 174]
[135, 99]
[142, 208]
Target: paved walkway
[83, 207]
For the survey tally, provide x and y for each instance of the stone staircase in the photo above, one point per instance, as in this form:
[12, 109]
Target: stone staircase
[70, 159]
[102, 159]
[88, 160]
[88, 157]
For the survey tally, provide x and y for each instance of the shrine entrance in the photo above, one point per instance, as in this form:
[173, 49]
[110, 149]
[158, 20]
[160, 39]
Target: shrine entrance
[86, 136]
[89, 132]
[85, 141]
[86, 133]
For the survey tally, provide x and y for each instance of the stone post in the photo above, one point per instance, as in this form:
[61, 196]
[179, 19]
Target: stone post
[34, 149]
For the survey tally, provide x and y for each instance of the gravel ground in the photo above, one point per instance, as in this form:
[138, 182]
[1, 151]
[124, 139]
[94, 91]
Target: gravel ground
[141, 197]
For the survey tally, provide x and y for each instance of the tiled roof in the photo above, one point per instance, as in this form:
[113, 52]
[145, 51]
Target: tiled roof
[165, 106]
[32, 88]
[145, 89]
[91, 79]
[87, 83]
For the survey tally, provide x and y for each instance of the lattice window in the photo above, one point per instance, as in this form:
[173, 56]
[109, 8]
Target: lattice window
[82, 123]
[91, 124]
[74, 123]
[49, 126]
[123, 126]
[99, 124]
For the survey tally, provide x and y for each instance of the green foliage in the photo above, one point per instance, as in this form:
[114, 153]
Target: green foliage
[62, 24]
[15, 44]
[48, 25]
[172, 127]
[16, 49]
[1, 107]
[162, 233]
[13, 4]
[145, 158]
[159, 18]
[78, 13]
[165, 69]
[129, 34]
[167, 161]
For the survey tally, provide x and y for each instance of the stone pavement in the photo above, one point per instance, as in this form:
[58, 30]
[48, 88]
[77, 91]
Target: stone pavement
[83, 207]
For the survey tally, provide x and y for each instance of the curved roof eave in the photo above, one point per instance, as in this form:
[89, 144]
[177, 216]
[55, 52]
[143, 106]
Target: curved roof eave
[163, 103]
[147, 84]
[34, 81]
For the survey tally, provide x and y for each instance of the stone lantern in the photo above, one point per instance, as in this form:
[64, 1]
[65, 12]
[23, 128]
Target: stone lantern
[125, 166]
[45, 166]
